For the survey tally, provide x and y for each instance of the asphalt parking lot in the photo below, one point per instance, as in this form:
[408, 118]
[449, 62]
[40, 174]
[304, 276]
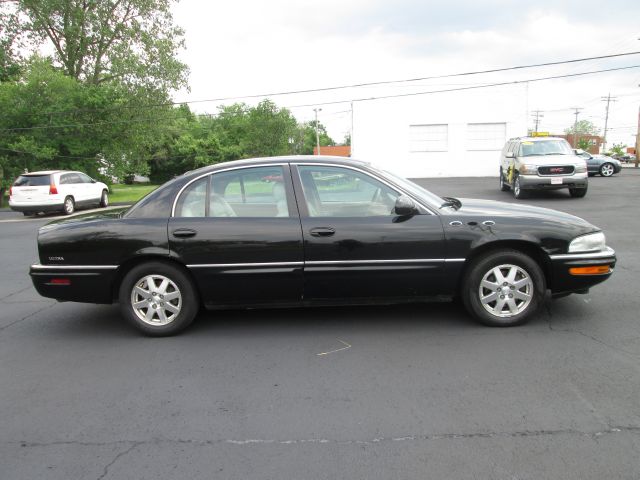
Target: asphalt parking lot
[417, 391]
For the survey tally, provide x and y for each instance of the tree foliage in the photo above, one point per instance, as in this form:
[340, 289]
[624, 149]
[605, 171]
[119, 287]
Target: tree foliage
[583, 127]
[131, 41]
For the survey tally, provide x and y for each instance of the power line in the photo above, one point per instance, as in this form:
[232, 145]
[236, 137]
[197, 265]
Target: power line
[401, 95]
[342, 87]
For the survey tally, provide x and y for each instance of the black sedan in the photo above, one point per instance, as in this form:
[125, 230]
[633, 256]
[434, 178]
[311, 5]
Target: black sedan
[298, 231]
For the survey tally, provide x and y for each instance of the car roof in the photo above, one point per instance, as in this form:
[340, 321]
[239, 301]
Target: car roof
[282, 159]
[47, 172]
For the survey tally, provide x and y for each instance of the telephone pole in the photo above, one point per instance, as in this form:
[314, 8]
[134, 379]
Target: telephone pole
[638, 141]
[607, 99]
[575, 127]
[537, 115]
[317, 131]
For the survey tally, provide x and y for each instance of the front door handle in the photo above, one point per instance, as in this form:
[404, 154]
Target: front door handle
[322, 231]
[184, 233]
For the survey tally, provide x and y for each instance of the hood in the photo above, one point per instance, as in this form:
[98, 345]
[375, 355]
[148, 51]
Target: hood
[486, 208]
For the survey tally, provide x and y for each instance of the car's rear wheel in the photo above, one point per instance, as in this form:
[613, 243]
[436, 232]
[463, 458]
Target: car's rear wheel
[28, 214]
[69, 206]
[607, 169]
[578, 192]
[503, 288]
[503, 185]
[518, 192]
[104, 199]
[159, 299]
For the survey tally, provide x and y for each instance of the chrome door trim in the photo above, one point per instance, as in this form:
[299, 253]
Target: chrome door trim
[73, 267]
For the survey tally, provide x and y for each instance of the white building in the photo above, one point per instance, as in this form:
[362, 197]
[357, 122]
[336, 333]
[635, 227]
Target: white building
[452, 134]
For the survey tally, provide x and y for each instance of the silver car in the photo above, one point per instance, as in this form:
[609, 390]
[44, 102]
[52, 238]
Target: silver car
[542, 163]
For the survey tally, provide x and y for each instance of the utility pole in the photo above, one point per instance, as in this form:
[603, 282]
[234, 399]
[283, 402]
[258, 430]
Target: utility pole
[537, 115]
[575, 127]
[317, 130]
[607, 99]
[638, 141]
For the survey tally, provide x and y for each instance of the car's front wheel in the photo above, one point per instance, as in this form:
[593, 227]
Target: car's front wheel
[158, 298]
[503, 288]
[104, 199]
[607, 169]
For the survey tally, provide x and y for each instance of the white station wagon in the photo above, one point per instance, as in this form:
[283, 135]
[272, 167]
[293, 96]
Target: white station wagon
[57, 190]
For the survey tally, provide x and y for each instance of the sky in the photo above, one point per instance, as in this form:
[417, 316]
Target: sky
[252, 47]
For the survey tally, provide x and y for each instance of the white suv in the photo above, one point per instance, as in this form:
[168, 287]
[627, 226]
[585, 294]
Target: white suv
[59, 190]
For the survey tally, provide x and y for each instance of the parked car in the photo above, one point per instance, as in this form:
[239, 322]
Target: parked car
[600, 164]
[222, 237]
[59, 190]
[541, 163]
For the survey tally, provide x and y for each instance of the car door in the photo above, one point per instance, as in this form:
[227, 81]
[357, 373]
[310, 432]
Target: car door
[72, 186]
[238, 231]
[91, 190]
[355, 246]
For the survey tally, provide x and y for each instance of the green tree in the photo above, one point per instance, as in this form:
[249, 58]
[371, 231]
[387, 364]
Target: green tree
[583, 143]
[133, 42]
[617, 149]
[583, 127]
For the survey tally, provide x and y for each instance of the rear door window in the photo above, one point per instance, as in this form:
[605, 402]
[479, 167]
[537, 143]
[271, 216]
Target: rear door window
[32, 181]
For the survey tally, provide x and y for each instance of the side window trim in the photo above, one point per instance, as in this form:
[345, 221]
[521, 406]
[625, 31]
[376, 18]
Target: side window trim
[301, 199]
[287, 178]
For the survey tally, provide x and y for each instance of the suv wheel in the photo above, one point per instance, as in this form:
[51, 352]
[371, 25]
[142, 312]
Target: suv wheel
[578, 192]
[518, 192]
[503, 185]
[104, 199]
[69, 206]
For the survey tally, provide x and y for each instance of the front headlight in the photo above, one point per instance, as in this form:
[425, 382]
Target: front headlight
[528, 170]
[581, 167]
[593, 242]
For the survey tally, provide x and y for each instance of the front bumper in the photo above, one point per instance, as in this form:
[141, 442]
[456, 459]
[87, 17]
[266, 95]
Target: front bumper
[533, 182]
[564, 282]
[74, 283]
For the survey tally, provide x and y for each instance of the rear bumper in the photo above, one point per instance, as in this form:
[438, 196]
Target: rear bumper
[532, 182]
[26, 207]
[74, 283]
[564, 282]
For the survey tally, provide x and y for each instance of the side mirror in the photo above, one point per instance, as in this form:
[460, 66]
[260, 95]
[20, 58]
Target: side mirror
[405, 206]
[510, 155]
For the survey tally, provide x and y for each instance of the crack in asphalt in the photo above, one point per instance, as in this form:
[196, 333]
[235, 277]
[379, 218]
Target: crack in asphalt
[27, 317]
[105, 471]
[611, 430]
[16, 293]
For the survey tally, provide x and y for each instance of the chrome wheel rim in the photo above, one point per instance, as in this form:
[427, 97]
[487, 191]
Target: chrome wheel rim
[506, 291]
[156, 300]
[607, 170]
[516, 188]
[68, 205]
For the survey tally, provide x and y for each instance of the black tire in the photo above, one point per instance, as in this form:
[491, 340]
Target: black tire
[518, 191]
[104, 199]
[482, 267]
[28, 214]
[607, 169]
[504, 187]
[69, 206]
[187, 302]
[578, 192]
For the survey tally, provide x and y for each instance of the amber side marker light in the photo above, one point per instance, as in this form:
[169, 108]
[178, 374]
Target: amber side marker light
[598, 270]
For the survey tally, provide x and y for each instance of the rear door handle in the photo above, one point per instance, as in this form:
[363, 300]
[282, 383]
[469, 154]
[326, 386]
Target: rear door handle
[322, 231]
[184, 233]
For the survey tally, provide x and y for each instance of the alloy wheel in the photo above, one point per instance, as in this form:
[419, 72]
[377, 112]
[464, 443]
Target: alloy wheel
[506, 290]
[156, 300]
[606, 170]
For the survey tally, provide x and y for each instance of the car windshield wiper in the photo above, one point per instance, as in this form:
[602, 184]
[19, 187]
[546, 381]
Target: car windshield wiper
[451, 202]
[556, 153]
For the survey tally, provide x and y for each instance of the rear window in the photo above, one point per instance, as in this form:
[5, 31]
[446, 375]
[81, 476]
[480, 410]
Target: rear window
[31, 181]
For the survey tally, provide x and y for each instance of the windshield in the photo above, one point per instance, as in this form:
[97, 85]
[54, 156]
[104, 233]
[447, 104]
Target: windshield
[546, 147]
[413, 188]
